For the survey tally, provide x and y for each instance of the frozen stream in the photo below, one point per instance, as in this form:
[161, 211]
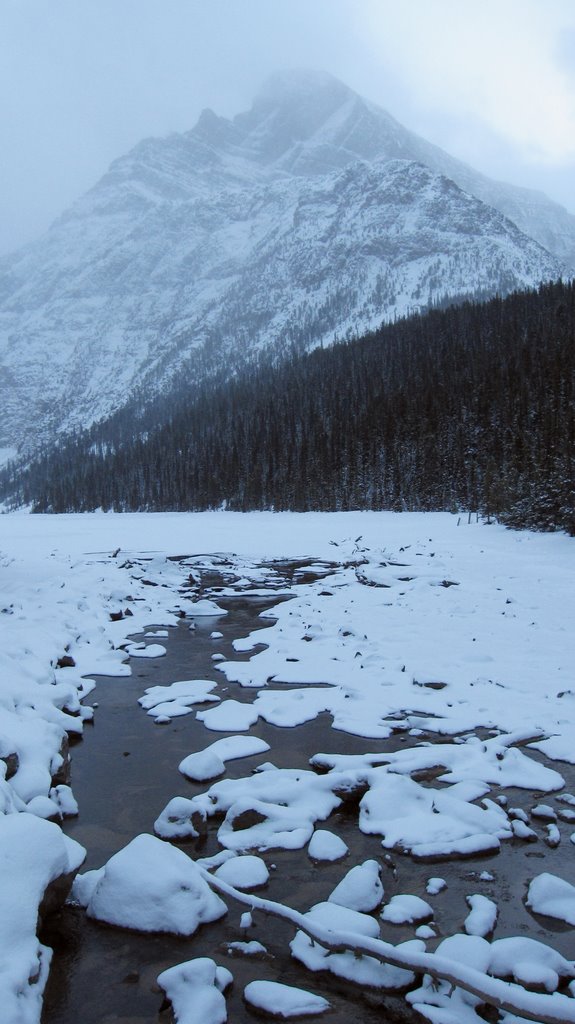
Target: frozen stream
[448, 648]
[125, 770]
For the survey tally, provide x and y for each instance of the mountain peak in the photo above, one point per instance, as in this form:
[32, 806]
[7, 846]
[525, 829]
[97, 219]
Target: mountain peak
[296, 84]
[313, 214]
[290, 108]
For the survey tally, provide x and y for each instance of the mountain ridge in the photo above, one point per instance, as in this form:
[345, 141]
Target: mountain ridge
[293, 223]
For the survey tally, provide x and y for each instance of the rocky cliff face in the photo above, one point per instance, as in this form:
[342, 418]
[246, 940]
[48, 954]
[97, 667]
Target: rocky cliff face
[312, 216]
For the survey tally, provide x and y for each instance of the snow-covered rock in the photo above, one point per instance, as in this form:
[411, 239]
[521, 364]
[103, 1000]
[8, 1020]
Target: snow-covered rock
[529, 962]
[34, 856]
[149, 886]
[210, 762]
[183, 818]
[243, 872]
[364, 970]
[404, 908]
[429, 823]
[553, 896]
[195, 990]
[325, 845]
[283, 1001]
[482, 917]
[360, 889]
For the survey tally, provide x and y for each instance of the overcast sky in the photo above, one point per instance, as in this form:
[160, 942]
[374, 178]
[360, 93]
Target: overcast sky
[81, 81]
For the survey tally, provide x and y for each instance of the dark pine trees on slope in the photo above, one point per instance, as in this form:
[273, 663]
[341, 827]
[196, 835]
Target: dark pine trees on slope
[470, 407]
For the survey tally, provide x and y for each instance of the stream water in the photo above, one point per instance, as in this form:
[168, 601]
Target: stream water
[125, 770]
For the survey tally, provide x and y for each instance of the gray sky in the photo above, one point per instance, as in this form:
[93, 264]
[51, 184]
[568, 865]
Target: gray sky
[81, 81]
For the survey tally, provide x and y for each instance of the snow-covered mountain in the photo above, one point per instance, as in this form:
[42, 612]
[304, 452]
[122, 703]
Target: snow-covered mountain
[313, 215]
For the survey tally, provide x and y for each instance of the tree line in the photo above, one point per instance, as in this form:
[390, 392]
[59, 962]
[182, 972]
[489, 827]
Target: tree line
[471, 407]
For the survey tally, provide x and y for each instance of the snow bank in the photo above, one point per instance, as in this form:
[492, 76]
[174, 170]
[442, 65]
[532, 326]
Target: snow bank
[33, 854]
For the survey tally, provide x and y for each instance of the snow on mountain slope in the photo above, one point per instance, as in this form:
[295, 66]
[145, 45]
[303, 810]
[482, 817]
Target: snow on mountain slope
[312, 215]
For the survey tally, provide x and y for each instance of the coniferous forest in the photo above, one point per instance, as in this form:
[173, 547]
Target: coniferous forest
[471, 407]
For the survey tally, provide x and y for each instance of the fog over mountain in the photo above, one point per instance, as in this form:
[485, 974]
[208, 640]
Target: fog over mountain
[310, 217]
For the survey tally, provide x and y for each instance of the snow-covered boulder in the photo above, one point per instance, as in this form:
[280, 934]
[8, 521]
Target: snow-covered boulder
[283, 1001]
[405, 908]
[531, 963]
[360, 889]
[243, 872]
[550, 895]
[183, 818]
[195, 990]
[482, 917]
[152, 887]
[325, 845]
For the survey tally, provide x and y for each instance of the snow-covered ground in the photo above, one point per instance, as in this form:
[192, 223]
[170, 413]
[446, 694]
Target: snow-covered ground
[457, 636]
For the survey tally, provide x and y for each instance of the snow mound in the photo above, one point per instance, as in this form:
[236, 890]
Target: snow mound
[205, 607]
[276, 808]
[429, 823]
[210, 762]
[406, 909]
[230, 716]
[152, 887]
[529, 962]
[183, 818]
[364, 970]
[360, 889]
[435, 885]
[283, 1001]
[483, 916]
[195, 990]
[325, 845]
[142, 651]
[550, 895]
[252, 948]
[244, 872]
